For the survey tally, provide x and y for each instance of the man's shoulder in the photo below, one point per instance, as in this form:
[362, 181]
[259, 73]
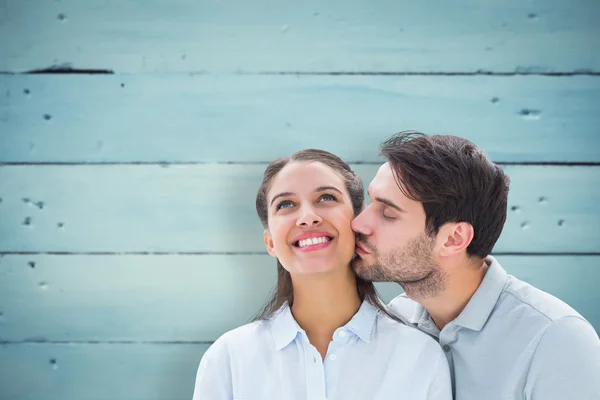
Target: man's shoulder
[534, 302]
[517, 298]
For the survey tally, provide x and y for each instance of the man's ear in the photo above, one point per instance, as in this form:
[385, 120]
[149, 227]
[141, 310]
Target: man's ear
[455, 237]
[269, 243]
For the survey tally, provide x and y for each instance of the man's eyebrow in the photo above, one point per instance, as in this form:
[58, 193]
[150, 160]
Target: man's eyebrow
[389, 204]
[319, 189]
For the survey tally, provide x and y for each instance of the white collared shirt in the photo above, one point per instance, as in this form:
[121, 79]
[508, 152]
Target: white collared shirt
[372, 357]
[514, 342]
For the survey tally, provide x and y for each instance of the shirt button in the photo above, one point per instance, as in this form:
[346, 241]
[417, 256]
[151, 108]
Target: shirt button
[332, 357]
[446, 348]
[342, 334]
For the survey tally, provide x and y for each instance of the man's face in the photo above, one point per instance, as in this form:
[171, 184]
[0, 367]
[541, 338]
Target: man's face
[391, 243]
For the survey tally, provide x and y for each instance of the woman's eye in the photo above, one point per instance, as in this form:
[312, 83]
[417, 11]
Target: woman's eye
[284, 204]
[328, 197]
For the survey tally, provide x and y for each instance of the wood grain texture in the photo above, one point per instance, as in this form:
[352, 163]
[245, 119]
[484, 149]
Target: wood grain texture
[220, 86]
[196, 298]
[334, 36]
[210, 208]
[180, 118]
[99, 371]
[167, 370]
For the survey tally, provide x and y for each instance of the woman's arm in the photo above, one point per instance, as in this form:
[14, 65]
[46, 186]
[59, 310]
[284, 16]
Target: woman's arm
[213, 380]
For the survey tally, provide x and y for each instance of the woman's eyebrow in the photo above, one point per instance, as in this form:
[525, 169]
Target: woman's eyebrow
[284, 194]
[323, 188]
[319, 189]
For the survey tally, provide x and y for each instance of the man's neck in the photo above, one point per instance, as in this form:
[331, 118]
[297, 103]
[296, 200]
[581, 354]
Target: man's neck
[460, 286]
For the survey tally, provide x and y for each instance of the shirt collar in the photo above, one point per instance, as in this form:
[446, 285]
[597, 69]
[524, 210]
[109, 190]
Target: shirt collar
[482, 303]
[284, 327]
[421, 318]
[363, 321]
[479, 307]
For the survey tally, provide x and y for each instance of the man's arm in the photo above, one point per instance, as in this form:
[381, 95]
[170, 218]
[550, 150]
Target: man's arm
[566, 363]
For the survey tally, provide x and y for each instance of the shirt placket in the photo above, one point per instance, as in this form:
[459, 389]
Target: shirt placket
[447, 340]
[333, 361]
[315, 371]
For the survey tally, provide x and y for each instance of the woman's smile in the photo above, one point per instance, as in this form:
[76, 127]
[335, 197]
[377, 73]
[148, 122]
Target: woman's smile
[312, 241]
[313, 244]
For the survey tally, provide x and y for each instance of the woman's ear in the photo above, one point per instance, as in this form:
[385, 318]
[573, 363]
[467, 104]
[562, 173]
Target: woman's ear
[269, 243]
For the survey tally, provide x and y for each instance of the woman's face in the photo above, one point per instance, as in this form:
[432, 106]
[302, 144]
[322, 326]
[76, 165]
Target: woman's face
[310, 212]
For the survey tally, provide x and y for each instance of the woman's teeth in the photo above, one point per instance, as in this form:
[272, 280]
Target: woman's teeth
[311, 241]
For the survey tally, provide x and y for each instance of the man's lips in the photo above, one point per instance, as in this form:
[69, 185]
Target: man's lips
[360, 249]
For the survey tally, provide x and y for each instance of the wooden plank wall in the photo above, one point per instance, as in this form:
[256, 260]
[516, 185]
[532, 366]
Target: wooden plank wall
[133, 136]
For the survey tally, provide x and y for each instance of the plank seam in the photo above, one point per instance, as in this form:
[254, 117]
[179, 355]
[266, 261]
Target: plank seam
[70, 342]
[101, 71]
[192, 163]
[243, 253]
[436, 73]
[132, 253]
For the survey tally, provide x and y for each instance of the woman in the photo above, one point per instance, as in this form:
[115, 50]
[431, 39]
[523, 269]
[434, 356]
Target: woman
[324, 334]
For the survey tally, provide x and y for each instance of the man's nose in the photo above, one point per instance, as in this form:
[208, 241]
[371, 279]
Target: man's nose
[359, 224]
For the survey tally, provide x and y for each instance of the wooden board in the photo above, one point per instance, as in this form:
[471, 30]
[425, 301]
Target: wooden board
[180, 118]
[240, 84]
[210, 209]
[196, 298]
[99, 371]
[314, 36]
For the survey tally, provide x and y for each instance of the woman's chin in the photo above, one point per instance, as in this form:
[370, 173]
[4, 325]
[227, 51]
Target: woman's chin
[322, 268]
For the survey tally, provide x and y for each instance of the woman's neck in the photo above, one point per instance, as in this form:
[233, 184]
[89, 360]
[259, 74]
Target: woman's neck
[323, 303]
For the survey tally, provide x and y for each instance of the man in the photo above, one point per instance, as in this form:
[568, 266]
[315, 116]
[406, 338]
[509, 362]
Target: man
[437, 209]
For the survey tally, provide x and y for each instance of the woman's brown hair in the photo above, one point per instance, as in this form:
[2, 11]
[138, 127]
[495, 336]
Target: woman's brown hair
[283, 291]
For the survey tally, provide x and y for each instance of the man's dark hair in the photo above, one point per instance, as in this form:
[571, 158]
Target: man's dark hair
[454, 180]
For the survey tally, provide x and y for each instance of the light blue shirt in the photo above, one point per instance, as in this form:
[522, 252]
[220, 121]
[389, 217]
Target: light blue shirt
[513, 341]
[372, 357]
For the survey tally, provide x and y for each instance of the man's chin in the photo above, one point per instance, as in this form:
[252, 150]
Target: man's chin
[356, 263]
[360, 268]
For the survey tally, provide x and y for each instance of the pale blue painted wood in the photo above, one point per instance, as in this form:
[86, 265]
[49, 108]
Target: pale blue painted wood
[141, 371]
[158, 115]
[196, 298]
[264, 36]
[180, 118]
[167, 371]
[210, 208]
[135, 298]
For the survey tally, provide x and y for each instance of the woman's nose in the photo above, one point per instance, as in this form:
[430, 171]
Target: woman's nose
[309, 218]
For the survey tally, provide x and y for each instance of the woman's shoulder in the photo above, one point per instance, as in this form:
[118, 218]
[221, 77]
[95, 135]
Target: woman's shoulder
[240, 345]
[246, 334]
